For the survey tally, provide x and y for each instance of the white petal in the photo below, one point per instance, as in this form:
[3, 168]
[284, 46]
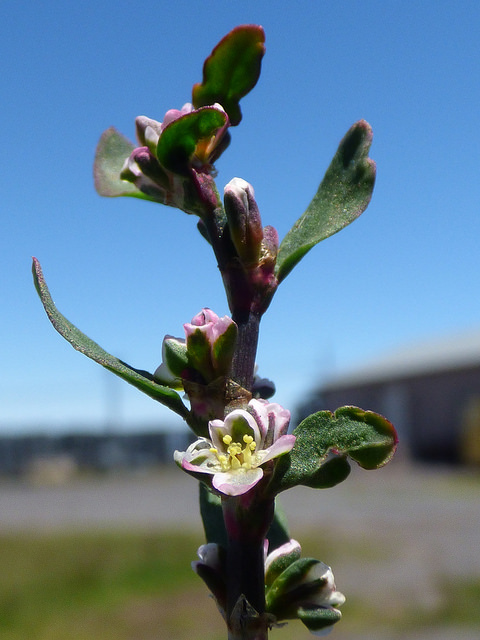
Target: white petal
[283, 445]
[327, 595]
[238, 482]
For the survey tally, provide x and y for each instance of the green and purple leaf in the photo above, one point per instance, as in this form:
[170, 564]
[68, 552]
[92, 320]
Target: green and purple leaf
[142, 380]
[192, 134]
[325, 440]
[112, 150]
[342, 196]
[231, 70]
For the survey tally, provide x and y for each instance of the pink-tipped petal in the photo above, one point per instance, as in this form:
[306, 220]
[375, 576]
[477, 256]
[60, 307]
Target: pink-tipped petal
[237, 483]
[283, 445]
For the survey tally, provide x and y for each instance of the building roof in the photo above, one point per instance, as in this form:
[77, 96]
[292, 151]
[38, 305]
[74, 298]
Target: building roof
[431, 356]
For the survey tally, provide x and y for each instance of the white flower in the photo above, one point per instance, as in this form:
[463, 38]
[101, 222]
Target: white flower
[239, 446]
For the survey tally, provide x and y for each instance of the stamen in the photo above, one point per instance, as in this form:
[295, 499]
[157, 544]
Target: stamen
[234, 449]
[240, 455]
[235, 462]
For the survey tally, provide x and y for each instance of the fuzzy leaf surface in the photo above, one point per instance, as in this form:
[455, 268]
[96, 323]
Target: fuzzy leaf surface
[342, 196]
[112, 150]
[324, 441]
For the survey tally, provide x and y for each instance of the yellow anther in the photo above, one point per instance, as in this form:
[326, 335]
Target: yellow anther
[234, 449]
[238, 455]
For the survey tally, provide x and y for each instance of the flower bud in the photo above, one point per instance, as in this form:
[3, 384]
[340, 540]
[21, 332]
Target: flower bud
[305, 589]
[174, 362]
[148, 132]
[142, 169]
[211, 568]
[244, 221]
[210, 343]
[174, 351]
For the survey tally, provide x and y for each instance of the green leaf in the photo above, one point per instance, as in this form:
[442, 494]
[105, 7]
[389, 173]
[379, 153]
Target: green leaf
[212, 516]
[281, 562]
[333, 471]
[231, 70]
[112, 151]
[342, 196]
[180, 139]
[281, 593]
[142, 380]
[317, 619]
[366, 437]
[175, 355]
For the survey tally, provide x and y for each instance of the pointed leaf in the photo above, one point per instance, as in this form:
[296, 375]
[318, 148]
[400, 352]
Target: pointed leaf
[231, 70]
[180, 138]
[139, 379]
[112, 151]
[364, 436]
[342, 196]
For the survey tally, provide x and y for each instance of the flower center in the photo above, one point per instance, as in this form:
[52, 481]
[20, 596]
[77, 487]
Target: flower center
[238, 455]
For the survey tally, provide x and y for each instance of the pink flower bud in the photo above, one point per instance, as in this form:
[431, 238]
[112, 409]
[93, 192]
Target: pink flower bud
[210, 344]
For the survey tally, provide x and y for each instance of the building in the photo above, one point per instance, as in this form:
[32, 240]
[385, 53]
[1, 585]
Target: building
[430, 391]
[84, 451]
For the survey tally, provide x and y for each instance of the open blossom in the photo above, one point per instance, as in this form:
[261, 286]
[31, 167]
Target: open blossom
[239, 447]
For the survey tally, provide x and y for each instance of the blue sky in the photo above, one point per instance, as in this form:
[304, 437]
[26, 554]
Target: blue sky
[127, 272]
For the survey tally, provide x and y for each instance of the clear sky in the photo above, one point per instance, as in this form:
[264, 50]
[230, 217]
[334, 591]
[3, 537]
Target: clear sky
[127, 272]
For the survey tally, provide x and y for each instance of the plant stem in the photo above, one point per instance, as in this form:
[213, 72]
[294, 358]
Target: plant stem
[243, 365]
[247, 520]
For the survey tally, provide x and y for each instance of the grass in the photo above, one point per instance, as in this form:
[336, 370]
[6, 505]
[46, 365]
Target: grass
[98, 585]
[139, 586]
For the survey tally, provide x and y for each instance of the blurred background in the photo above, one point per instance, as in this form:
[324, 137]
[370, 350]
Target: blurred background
[385, 314]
